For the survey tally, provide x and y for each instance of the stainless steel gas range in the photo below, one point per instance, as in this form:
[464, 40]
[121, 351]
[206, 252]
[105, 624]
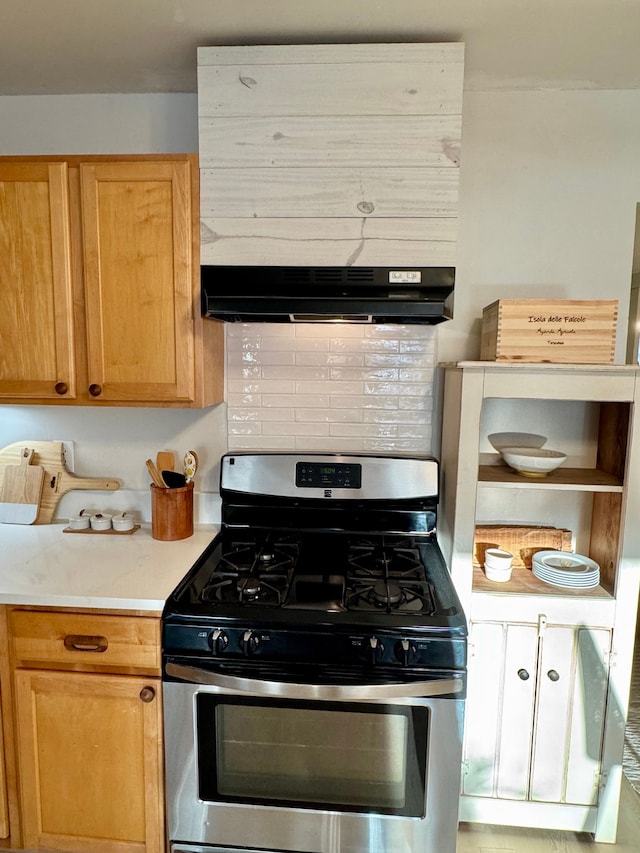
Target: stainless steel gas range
[314, 664]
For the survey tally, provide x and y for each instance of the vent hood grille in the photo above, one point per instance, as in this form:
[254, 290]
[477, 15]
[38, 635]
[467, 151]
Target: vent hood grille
[328, 294]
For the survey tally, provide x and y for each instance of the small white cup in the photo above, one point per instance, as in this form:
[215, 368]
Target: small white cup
[100, 521]
[497, 558]
[80, 522]
[499, 575]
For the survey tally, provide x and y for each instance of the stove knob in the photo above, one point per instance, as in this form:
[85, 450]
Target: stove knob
[405, 652]
[376, 649]
[249, 642]
[219, 641]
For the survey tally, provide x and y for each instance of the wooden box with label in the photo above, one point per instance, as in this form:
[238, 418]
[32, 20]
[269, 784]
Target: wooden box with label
[570, 331]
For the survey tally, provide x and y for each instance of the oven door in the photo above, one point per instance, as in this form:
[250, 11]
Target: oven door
[270, 765]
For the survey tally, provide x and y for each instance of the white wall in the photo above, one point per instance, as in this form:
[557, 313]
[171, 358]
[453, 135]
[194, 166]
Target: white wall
[549, 186]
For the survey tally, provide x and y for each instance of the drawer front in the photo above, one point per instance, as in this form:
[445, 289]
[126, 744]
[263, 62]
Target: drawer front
[85, 641]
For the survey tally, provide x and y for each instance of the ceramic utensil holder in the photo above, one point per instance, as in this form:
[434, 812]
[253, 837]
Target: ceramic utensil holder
[171, 512]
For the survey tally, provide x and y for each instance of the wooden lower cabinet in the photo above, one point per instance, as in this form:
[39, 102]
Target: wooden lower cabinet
[88, 731]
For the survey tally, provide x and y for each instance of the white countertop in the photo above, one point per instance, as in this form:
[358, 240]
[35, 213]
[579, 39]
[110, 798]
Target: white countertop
[42, 566]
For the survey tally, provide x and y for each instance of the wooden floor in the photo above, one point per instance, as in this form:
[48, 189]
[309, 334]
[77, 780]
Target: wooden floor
[481, 838]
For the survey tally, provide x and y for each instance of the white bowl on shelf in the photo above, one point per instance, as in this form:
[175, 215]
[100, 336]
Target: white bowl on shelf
[498, 440]
[533, 461]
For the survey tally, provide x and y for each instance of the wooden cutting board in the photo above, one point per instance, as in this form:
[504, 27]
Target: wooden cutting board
[49, 455]
[21, 490]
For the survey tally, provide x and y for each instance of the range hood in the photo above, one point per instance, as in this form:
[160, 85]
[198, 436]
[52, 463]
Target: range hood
[244, 294]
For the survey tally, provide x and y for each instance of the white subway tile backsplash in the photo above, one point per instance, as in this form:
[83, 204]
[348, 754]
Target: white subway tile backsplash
[334, 387]
[296, 429]
[284, 400]
[362, 402]
[333, 415]
[388, 416]
[240, 399]
[261, 386]
[296, 372]
[401, 389]
[339, 388]
[364, 373]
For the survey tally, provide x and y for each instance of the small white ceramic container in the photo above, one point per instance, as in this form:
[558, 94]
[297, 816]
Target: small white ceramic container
[499, 575]
[100, 521]
[497, 558]
[123, 522]
[80, 522]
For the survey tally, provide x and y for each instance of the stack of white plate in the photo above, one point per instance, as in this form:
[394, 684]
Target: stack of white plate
[561, 568]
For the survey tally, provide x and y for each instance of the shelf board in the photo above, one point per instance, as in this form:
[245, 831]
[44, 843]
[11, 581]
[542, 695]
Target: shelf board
[524, 582]
[571, 479]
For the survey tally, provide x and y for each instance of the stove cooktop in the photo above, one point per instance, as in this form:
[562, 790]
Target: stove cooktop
[347, 578]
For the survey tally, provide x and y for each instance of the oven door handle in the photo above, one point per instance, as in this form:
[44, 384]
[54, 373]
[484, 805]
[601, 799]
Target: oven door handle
[322, 692]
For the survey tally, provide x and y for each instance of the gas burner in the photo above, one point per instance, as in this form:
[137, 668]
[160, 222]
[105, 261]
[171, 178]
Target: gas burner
[260, 556]
[387, 593]
[385, 560]
[248, 586]
[265, 588]
[391, 596]
[255, 571]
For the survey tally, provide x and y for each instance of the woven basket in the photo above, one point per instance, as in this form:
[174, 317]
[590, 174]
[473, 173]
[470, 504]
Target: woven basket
[522, 542]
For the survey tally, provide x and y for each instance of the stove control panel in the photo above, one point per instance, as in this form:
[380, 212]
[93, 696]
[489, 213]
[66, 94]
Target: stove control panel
[382, 648]
[328, 475]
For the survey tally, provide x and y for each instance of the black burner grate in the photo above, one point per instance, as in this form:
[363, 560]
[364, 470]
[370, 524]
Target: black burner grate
[388, 576]
[254, 572]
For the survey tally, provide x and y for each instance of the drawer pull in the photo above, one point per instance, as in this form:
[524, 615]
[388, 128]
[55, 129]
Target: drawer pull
[147, 694]
[85, 643]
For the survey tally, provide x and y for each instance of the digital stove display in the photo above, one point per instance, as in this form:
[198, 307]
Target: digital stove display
[323, 475]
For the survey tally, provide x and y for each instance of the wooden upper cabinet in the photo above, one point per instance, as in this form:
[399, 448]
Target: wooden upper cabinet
[101, 303]
[36, 289]
[330, 154]
[136, 222]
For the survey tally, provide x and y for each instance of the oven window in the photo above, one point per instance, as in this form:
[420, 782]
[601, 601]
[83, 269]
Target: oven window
[344, 756]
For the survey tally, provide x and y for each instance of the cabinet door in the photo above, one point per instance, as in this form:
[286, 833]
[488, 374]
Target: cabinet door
[499, 710]
[90, 762]
[36, 297]
[137, 234]
[573, 678]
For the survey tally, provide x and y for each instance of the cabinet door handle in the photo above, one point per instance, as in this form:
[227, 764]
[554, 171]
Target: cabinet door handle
[147, 694]
[60, 388]
[85, 643]
[553, 675]
[523, 674]
[95, 390]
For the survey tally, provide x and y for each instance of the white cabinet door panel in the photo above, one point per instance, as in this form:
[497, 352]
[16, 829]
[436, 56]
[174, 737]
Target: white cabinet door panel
[587, 719]
[555, 683]
[517, 711]
[482, 715]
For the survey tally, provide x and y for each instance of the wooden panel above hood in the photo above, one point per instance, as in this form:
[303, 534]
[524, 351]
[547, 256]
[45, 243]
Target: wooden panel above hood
[330, 154]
